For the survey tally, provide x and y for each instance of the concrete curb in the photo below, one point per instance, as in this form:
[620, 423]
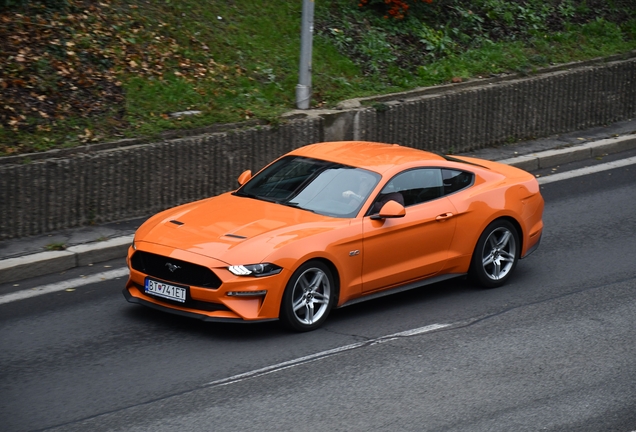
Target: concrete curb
[552, 158]
[43, 263]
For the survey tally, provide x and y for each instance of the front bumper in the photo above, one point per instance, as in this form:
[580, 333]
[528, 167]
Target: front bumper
[259, 300]
[186, 313]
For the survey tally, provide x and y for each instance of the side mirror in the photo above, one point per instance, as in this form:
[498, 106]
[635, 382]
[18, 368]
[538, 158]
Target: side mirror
[244, 177]
[392, 209]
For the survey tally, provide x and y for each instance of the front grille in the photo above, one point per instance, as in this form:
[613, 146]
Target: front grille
[183, 272]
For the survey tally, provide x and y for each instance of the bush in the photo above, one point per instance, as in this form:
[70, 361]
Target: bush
[396, 9]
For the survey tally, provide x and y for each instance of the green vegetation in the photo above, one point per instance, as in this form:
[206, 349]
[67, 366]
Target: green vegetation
[75, 72]
[55, 247]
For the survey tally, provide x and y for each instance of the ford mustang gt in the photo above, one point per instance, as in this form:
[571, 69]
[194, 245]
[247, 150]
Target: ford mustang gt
[332, 224]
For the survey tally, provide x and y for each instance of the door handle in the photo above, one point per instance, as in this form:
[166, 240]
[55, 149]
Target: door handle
[443, 217]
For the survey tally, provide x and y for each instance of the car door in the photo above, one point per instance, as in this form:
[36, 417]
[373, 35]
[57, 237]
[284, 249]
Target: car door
[399, 250]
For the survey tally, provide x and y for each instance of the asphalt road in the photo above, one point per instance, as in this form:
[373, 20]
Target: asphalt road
[552, 350]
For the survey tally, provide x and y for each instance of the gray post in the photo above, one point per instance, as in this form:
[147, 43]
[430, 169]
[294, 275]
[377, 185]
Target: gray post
[303, 89]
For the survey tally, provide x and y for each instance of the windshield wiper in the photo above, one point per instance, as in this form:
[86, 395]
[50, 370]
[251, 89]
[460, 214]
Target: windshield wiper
[272, 200]
[257, 197]
[295, 205]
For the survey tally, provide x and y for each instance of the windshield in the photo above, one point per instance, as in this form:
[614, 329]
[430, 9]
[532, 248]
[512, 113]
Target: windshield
[322, 187]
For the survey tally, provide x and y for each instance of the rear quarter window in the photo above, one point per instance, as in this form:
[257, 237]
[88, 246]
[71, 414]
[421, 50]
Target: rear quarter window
[455, 180]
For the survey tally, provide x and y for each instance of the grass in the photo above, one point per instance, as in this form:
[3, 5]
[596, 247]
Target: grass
[98, 71]
[55, 247]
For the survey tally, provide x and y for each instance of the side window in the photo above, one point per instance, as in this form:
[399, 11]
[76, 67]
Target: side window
[412, 187]
[455, 180]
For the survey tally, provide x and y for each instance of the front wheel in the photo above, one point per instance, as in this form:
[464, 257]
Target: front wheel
[496, 254]
[308, 297]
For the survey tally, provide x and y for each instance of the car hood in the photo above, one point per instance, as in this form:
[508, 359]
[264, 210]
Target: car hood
[231, 228]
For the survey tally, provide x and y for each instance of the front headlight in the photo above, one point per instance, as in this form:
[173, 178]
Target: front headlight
[255, 270]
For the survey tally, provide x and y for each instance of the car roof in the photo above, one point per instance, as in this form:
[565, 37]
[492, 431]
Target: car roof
[364, 154]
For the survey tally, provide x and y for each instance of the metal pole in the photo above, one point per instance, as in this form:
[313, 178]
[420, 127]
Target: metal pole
[303, 89]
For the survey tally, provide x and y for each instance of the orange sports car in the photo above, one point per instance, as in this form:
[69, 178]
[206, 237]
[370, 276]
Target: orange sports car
[332, 224]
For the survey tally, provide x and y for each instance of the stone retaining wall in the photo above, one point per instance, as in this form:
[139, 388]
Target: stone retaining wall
[507, 110]
[40, 194]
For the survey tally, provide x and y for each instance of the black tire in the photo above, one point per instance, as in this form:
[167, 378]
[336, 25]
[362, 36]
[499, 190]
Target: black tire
[496, 254]
[310, 286]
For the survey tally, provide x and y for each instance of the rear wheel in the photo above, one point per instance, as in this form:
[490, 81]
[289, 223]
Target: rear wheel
[308, 297]
[496, 254]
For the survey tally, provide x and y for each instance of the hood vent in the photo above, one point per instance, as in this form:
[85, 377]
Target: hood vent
[235, 236]
[176, 222]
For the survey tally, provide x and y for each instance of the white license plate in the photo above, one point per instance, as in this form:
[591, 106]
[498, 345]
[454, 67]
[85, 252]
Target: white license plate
[165, 290]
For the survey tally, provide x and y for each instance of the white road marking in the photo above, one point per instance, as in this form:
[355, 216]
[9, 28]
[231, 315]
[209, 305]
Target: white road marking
[64, 285]
[587, 170]
[320, 355]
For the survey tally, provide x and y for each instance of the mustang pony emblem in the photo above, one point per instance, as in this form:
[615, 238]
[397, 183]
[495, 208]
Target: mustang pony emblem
[172, 267]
